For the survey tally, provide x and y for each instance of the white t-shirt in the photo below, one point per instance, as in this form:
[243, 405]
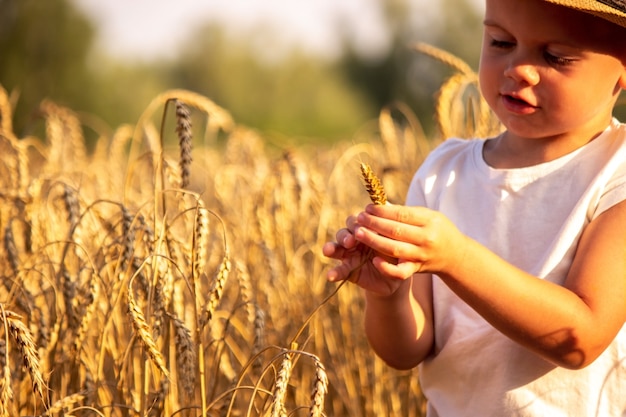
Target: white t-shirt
[532, 217]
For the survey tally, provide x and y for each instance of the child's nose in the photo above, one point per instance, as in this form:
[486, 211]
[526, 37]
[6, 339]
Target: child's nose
[522, 72]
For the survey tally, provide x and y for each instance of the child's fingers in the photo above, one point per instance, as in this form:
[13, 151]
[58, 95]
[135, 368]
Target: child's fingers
[389, 243]
[333, 250]
[346, 239]
[340, 272]
[398, 270]
[411, 215]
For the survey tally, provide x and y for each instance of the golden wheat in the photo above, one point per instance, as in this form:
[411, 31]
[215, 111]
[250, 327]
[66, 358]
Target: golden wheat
[28, 350]
[460, 109]
[6, 114]
[64, 403]
[277, 408]
[217, 290]
[65, 136]
[444, 56]
[6, 392]
[186, 359]
[320, 388]
[200, 238]
[373, 185]
[143, 331]
[109, 273]
[183, 129]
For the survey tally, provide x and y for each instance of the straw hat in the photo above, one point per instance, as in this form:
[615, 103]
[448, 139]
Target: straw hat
[612, 10]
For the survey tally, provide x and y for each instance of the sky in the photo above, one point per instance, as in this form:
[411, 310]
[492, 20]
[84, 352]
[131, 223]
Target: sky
[152, 29]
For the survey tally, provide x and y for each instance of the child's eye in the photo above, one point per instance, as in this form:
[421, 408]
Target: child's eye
[557, 60]
[501, 44]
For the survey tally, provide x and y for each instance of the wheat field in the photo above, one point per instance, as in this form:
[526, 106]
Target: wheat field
[175, 269]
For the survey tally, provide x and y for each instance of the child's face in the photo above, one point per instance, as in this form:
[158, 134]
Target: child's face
[549, 71]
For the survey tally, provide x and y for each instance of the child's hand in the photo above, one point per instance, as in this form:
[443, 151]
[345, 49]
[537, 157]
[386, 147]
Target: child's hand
[356, 262]
[418, 239]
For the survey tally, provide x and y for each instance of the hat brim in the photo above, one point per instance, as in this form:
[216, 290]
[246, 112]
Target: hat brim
[611, 10]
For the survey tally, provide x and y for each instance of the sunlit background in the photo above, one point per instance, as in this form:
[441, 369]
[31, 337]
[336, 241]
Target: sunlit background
[311, 86]
[307, 69]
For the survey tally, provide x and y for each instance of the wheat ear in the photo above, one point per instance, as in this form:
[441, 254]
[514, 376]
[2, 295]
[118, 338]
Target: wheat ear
[280, 387]
[217, 290]
[444, 56]
[449, 94]
[200, 238]
[183, 129]
[11, 248]
[143, 331]
[320, 388]
[6, 392]
[185, 355]
[64, 403]
[373, 185]
[28, 350]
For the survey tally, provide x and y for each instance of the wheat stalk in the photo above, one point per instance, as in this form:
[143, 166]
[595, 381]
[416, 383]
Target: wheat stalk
[320, 388]
[373, 185]
[65, 136]
[6, 124]
[69, 298]
[11, 248]
[71, 203]
[89, 308]
[449, 109]
[62, 404]
[389, 136]
[280, 388]
[128, 233]
[183, 129]
[185, 355]
[161, 295]
[6, 392]
[444, 56]
[28, 350]
[143, 331]
[200, 237]
[259, 336]
[157, 399]
[217, 290]
[218, 118]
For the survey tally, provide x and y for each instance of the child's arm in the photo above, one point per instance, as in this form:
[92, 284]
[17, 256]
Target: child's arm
[569, 325]
[399, 327]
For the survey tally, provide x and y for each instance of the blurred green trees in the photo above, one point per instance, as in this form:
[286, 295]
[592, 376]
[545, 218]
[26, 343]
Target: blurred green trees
[45, 52]
[300, 95]
[43, 47]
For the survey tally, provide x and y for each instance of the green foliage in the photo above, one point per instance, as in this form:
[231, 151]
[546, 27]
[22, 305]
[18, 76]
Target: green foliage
[46, 53]
[299, 95]
[402, 74]
[43, 45]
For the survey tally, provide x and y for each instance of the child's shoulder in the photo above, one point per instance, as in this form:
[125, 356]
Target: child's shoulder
[454, 150]
[619, 127]
[457, 144]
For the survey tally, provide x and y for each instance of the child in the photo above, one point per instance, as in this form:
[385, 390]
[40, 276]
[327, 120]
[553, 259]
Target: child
[504, 276]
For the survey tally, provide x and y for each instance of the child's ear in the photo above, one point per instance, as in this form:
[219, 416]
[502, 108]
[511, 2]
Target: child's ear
[622, 79]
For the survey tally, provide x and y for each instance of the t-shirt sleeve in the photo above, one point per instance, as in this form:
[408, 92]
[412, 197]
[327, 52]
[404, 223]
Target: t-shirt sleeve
[614, 193]
[416, 194]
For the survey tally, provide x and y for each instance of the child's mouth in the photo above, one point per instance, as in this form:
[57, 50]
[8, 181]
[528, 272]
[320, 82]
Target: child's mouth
[517, 105]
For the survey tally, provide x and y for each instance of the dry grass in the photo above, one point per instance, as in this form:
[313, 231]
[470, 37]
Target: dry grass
[139, 281]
